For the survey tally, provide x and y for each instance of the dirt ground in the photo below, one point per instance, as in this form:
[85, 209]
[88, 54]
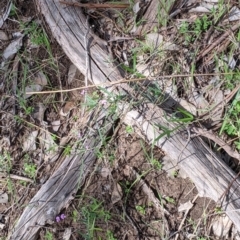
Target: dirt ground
[127, 195]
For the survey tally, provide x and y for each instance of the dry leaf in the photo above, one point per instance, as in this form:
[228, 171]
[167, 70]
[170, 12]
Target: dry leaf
[136, 7]
[30, 143]
[105, 172]
[12, 48]
[32, 88]
[154, 40]
[116, 193]
[71, 73]
[234, 14]
[221, 226]
[67, 234]
[185, 206]
[40, 79]
[55, 125]
[67, 108]
[3, 36]
[39, 112]
[49, 147]
[3, 197]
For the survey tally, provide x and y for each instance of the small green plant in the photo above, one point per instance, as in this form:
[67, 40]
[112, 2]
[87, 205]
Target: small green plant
[231, 123]
[75, 216]
[5, 162]
[48, 235]
[133, 68]
[156, 164]
[201, 25]
[30, 170]
[110, 235]
[170, 200]
[91, 100]
[36, 34]
[23, 104]
[175, 173]
[192, 31]
[141, 209]
[67, 150]
[13, 11]
[218, 210]
[129, 129]
[91, 214]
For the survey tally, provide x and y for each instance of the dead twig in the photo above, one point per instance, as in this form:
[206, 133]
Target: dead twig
[124, 80]
[96, 5]
[16, 177]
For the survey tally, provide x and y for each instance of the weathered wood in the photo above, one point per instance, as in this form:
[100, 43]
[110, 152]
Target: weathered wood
[63, 184]
[211, 176]
[156, 15]
[205, 168]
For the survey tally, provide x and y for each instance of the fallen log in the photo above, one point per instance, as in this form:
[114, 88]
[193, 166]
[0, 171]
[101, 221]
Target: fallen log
[209, 173]
[67, 179]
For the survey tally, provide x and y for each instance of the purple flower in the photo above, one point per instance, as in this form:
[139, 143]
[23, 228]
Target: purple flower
[58, 219]
[83, 92]
[62, 216]
[103, 102]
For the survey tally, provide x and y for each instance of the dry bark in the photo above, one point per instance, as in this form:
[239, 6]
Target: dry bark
[59, 189]
[211, 176]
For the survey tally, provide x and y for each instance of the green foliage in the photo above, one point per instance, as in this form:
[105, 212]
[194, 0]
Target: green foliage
[170, 200]
[90, 214]
[110, 235]
[133, 68]
[186, 116]
[48, 235]
[129, 129]
[141, 209]
[67, 150]
[13, 11]
[5, 162]
[231, 123]
[75, 216]
[156, 164]
[192, 31]
[92, 100]
[36, 34]
[30, 170]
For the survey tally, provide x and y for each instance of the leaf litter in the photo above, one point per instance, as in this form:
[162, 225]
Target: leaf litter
[131, 187]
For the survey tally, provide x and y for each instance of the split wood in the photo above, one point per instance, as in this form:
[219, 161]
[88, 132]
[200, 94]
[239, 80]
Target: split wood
[210, 135]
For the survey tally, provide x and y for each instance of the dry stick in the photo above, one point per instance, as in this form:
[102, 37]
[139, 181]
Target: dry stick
[97, 5]
[184, 218]
[217, 140]
[87, 65]
[218, 41]
[16, 177]
[124, 80]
